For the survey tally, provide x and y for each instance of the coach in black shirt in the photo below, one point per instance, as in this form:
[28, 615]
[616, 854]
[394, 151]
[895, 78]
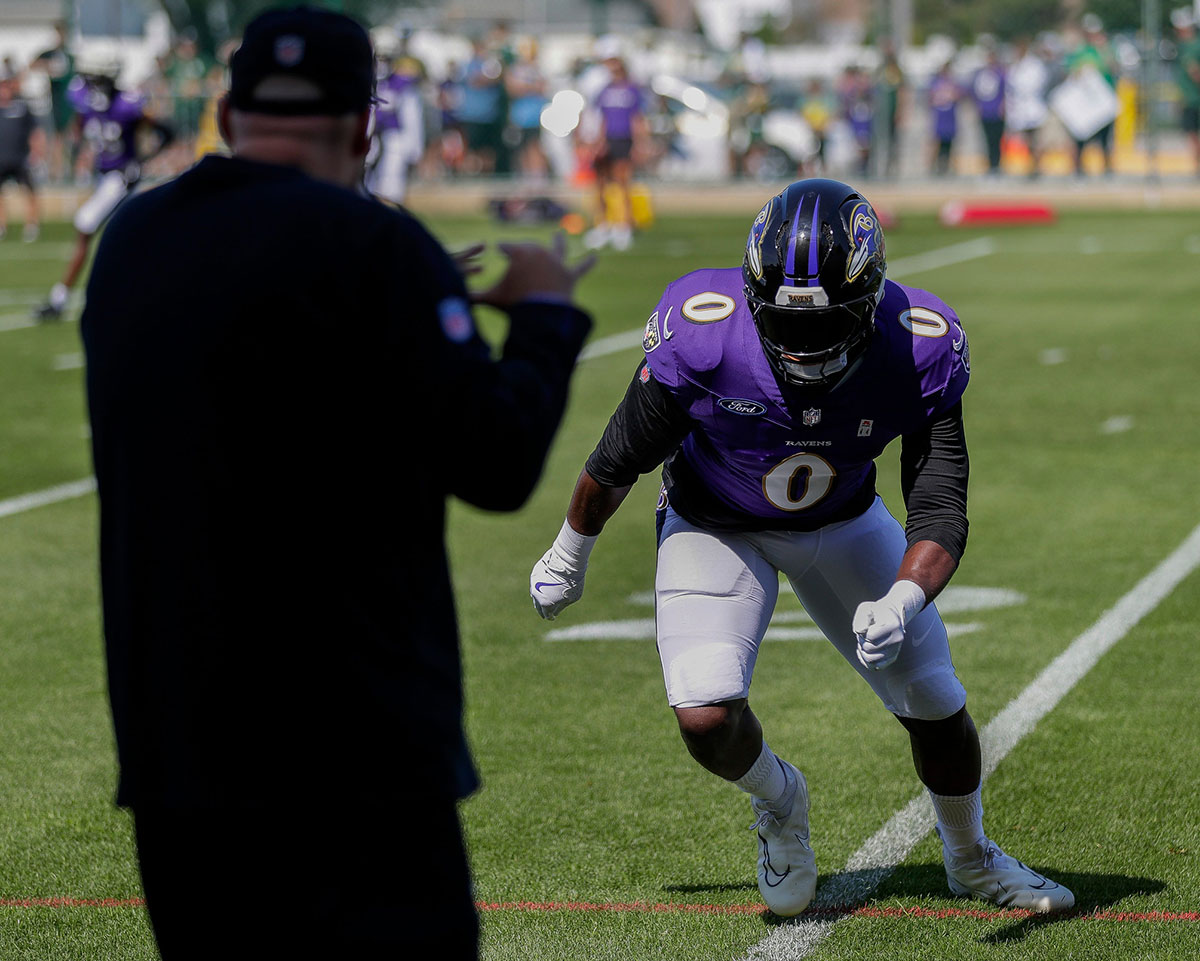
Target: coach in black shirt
[285, 383]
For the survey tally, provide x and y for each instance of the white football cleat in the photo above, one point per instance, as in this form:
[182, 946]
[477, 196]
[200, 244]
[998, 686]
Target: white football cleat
[1003, 880]
[787, 867]
[597, 238]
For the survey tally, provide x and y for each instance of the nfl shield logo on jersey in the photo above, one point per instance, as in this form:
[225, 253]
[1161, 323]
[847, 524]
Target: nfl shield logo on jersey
[811, 417]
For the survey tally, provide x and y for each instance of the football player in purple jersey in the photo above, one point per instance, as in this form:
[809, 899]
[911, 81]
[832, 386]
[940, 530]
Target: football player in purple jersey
[768, 392]
[112, 122]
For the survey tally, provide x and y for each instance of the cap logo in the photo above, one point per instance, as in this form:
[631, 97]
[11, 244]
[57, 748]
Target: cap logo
[289, 50]
[787, 296]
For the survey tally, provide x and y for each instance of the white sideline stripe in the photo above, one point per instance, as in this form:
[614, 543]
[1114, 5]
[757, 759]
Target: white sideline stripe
[891, 844]
[51, 495]
[917, 263]
[941, 257]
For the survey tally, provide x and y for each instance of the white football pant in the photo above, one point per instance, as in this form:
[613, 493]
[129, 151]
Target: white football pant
[715, 593]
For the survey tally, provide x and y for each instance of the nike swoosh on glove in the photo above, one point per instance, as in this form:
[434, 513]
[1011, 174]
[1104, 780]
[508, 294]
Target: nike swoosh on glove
[879, 625]
[557, 579]
[553, 586]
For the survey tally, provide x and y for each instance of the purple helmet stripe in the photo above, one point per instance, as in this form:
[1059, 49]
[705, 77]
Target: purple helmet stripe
[814, 244]
[791, 251]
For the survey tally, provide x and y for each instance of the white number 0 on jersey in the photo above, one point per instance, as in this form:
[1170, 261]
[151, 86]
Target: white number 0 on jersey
[798, 482]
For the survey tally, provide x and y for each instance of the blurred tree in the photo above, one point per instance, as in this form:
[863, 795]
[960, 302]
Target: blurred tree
[212, 22]
[964, 20]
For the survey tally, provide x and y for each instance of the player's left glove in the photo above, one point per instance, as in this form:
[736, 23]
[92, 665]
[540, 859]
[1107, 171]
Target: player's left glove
[879, 625]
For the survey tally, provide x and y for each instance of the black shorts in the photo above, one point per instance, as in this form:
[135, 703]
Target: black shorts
[359, 881]
[1189, 120]
[18, 173]
[618, 148]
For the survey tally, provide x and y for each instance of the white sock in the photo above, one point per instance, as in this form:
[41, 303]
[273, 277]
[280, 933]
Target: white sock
[769, 780]
[59, 295]
[960, 822]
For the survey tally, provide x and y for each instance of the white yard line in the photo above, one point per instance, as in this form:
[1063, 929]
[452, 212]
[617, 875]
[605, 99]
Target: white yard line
[941, 257]
[51, 495]
[891, 844]
[917, 263]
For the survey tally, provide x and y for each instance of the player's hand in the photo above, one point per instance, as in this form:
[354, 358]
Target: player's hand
[467, 260]
[534, 271]
[879, 625]
[557, 579]
[553, 585]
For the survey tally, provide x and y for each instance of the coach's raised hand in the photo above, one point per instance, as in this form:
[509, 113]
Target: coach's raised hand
[535, 273]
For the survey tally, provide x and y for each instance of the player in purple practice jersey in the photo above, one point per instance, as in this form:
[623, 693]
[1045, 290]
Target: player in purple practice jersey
[111, 122]
[623, 128]
[769, 391]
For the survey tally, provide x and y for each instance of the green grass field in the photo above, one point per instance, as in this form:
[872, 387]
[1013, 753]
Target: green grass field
[1083, 418]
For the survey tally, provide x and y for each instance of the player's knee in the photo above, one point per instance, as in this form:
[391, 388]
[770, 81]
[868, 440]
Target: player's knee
[709, 724]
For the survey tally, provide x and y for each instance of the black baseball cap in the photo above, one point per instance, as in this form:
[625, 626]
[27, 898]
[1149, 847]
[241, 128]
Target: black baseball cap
[330, 50]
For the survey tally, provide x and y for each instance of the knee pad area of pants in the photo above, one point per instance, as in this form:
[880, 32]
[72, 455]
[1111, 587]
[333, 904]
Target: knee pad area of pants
[929, 695]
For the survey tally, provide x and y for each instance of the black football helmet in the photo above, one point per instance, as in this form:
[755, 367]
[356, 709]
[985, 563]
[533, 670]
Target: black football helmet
[814, 272]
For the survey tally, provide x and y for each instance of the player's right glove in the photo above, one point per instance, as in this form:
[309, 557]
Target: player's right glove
[879, 625]
[557, 579]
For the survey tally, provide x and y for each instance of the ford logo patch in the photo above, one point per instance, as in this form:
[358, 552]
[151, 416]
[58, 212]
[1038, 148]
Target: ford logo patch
[747, 408]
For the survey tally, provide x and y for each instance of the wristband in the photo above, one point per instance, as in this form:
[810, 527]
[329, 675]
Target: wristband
[906, 597]
[574, 547]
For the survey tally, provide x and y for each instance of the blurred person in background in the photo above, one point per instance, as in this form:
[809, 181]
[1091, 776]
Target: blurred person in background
[18, 129]
[818, 109]
[945, 92]
[185, 73]
[122, 137]
[1093, 52]
[1187, 76]
[621, 143]
[483, 111]
[399, 118]
[858, 110]
[284, 667]
[892, 96]
[58, 64]
[526, 97]
[1025, 109]
[451, 143]
[988, 92]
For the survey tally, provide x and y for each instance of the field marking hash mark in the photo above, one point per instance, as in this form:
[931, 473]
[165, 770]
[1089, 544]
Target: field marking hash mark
[50, 495]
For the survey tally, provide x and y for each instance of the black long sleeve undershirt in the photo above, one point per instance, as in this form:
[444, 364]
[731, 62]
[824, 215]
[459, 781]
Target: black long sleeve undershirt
[934, 468]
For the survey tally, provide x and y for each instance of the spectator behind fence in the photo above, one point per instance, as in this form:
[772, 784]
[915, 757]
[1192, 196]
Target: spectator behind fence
[854, 92]
[1187, 76]
[483, 109]
[987, 88]
[58, 64]
[273, 453]
[17, 130]
[1094, 53]
[944, 94]
[526, 97]
[1025, 109]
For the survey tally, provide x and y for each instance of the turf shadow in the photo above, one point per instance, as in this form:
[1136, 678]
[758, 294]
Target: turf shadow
[1093, 893]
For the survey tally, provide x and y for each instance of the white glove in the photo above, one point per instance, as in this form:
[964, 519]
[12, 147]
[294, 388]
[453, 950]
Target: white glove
[879, 625]
[557, 579]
